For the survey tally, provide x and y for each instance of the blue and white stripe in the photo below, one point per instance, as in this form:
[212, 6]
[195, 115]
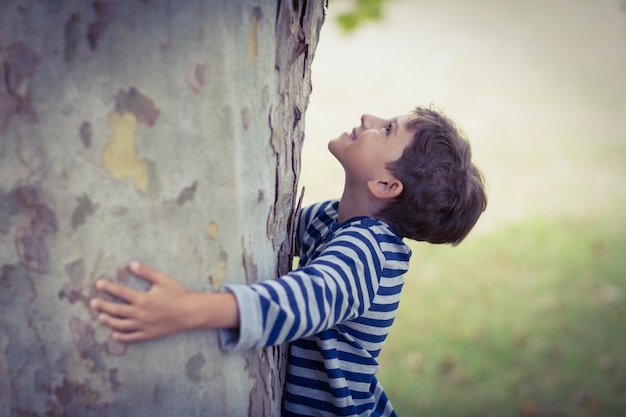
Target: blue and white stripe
[335, 310]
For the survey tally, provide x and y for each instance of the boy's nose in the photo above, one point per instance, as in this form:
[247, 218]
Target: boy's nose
[367, 121]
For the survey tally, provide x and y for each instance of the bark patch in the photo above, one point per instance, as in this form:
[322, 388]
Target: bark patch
[119, 155]
[213, 229]
[193, 367]
[84, 209]
[29, 237]
[71, 37]
[217, 278]
[252, 37]
[17, 65]
[197, 75]
[85, 134]
[187, 194]
[138, 104]
[105, 11]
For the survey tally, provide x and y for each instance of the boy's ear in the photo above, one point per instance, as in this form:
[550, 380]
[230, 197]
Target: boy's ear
[390, 188]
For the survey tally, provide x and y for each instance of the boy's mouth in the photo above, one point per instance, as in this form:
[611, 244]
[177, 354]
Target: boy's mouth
[353, 134]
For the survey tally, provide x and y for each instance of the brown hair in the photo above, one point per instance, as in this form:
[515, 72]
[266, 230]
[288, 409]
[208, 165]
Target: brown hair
[443, 194]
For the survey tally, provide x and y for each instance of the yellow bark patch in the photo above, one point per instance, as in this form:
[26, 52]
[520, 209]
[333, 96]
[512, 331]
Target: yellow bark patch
[119, 153]
[252, 42]
[219, 275]
[213, 229]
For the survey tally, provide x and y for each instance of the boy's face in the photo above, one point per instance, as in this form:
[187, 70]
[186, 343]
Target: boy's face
[365, 151]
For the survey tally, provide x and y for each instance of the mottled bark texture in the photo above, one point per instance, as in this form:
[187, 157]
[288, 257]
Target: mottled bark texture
[163, 131]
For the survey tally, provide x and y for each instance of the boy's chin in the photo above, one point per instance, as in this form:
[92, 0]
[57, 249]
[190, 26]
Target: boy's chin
[333, 146]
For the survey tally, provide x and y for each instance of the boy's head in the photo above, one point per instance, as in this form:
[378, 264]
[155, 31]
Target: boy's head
[443, 192]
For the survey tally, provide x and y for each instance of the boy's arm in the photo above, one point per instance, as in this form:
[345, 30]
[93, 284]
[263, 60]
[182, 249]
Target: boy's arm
[166, 308]
[340, 284]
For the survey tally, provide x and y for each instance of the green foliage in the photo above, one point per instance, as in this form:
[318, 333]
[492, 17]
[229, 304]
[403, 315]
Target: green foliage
[363, 11]
[528, 321]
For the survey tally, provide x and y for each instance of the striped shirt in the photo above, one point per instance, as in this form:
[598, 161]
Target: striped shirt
[335, 310]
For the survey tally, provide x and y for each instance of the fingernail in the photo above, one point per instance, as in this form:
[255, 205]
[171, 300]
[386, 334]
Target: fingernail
[93, 304]
[99, 284]
[134, 265]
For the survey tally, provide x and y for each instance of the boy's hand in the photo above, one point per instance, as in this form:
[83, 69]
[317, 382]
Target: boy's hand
[163, 310]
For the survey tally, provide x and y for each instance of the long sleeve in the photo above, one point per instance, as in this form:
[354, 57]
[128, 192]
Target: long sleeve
[338, 285]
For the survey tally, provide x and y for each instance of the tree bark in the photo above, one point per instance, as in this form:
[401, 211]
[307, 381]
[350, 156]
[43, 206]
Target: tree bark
[167, 132]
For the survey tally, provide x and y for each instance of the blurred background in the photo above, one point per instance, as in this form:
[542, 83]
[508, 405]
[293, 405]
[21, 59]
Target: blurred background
[527, 317]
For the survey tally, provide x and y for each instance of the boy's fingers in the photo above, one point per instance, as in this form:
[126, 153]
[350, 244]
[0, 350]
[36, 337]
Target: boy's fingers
[130, 337]
[124, 325]
[112, 308]
[119, 291]
[148, 273]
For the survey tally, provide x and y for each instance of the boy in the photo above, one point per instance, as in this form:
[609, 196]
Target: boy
[410, 176]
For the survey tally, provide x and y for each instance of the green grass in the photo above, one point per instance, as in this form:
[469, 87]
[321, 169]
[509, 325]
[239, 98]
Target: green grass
[527, 321]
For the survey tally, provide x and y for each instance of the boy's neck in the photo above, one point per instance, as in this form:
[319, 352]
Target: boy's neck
[355, 205]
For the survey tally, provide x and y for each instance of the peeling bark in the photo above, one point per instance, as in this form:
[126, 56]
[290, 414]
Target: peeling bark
[298, 26]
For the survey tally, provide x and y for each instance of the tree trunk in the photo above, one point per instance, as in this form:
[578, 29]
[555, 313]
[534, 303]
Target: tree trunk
[168, 132]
